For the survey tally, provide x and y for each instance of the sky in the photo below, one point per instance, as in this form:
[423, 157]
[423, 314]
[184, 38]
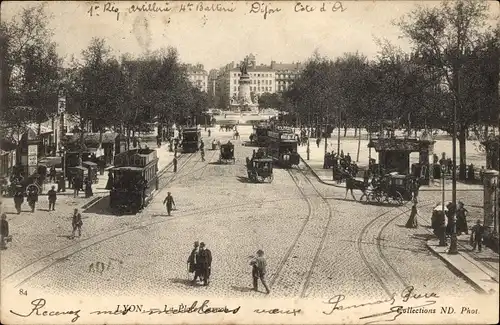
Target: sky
[216, 38]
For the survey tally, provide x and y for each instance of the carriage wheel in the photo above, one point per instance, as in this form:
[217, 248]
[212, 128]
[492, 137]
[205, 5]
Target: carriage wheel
[260, 179]
[271, 177]
[378, 197]
[398, 198]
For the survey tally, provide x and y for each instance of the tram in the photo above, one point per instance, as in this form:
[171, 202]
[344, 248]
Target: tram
[259, 135]
[134, 180]
[190, 139]
[283, 148]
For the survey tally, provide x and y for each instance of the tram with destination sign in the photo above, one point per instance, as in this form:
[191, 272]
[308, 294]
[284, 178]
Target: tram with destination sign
[190, 139]
[134, 180]
[259, 135]
[283, 148]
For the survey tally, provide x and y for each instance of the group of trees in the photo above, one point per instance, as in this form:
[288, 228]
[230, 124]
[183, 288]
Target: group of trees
[126, 94]
[453, 66]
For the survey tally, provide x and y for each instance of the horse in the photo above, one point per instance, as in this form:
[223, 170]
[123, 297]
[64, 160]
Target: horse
[354, 184]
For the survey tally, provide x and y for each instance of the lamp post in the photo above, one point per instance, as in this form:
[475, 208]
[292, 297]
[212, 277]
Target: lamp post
[453, 245]
[442, 233]
[338, 131]
[308, 150]
[495, 206]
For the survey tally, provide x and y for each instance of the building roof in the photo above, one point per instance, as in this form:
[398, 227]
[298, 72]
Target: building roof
[257, 68]
[92, 138]
[399, 144]
[286, 66]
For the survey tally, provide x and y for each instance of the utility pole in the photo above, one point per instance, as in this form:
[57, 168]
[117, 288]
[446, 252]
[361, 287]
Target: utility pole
[326, 125]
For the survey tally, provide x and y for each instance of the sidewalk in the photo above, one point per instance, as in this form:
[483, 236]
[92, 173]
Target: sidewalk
[480, 269]
[325, 176]
[164, 160]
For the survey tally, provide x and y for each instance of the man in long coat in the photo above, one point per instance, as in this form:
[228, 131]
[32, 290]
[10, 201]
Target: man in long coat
[205, 263]
[169, 201]
[193, 261]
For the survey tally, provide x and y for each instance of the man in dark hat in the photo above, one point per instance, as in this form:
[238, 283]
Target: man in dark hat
[32, 198]
[52, 195]
[205, 263]
[174, 161]
[259, 270]
[193, 261]
[169, 201]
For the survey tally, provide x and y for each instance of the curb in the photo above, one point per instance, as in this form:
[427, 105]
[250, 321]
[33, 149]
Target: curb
[421, 189]
[316, 175]
[454, 268]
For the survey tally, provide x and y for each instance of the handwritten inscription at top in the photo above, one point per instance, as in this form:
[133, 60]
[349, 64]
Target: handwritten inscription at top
[325, 7]
[265, 9]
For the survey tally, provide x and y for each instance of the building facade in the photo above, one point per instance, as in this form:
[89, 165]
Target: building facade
[198, 76]
[273, 78]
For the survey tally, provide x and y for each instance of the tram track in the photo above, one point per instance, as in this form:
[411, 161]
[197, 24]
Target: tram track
[323, 237]
[381, 271]
[113, 233]
[324, 225]
[301, 230]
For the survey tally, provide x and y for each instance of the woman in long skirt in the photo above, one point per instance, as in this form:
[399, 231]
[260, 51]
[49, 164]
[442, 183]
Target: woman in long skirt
[412, 222]
[462, 219]
[109, 184]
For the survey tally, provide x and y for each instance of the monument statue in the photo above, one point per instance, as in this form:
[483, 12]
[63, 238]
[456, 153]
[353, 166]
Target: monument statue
[244, 67]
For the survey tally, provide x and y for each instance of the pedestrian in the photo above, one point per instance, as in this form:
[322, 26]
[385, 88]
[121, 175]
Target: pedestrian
[169, 201]
[88, 188]
[174, 161]
[52, 195]
[209, 133]
[259, 270]
[193, 261]
[4, 231]
[18, 199]
[32, 198]
[77, 185]
[415, 187]
[158, 140]
[61, 184]
[202, 152]
[52, 174]
[77, 223]
[318, 141]
[462, 219]
[109, 184]
[412, 221]
[175, 153]
[205, 263]
[476, 238]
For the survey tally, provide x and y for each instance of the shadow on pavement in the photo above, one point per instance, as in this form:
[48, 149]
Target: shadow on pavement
[423, 236]
[186, 282]
[101, 206]
[241, 289]
[242, 179]
[487, 259]
[249, 144]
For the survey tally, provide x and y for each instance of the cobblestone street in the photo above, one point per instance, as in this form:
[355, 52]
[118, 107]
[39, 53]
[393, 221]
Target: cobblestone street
[317, 244]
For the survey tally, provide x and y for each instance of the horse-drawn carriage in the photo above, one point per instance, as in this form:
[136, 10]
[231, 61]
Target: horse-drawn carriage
[392, 189]
[260, 170]
[227, 153]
